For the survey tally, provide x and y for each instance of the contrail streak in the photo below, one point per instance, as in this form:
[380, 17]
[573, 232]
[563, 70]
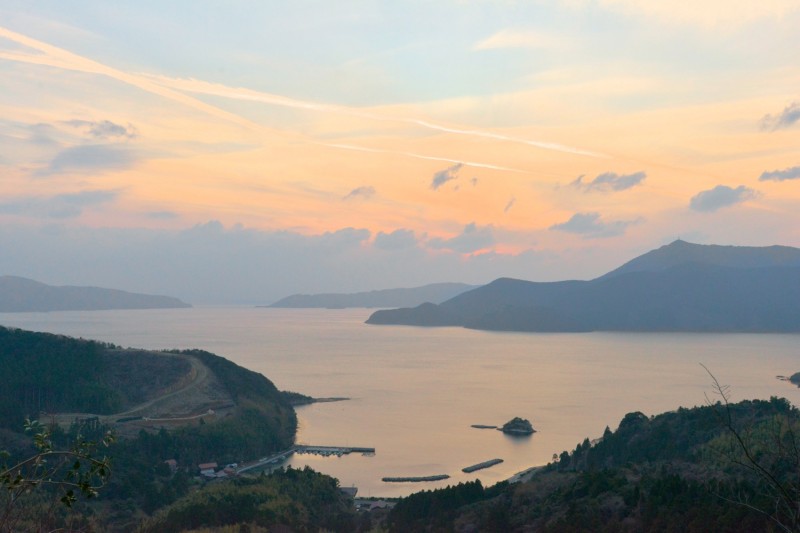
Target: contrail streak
[172, 88]
[215, 89]
[59, 58]
[420, 156]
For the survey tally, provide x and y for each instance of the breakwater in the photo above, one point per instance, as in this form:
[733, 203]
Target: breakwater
[480, 466]
[414, 479]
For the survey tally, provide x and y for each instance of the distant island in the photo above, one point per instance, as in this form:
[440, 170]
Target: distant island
[435, 293]
[678, 287]
[19, 295]
[517, 426]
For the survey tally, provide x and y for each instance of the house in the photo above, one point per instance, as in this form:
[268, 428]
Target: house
[368, 505]
[172, 464]
[349, 491]
[207, 469]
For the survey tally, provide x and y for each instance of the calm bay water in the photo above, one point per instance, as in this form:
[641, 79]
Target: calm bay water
[416, 391]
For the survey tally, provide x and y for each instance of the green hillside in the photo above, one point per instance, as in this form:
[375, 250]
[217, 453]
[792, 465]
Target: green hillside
[681, 471]
[49, 374]
[44, 372]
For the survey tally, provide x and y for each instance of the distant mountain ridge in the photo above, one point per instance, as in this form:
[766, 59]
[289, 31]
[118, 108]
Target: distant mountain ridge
[19, 294]
[678, 287]
[435, 293]
[681, 252]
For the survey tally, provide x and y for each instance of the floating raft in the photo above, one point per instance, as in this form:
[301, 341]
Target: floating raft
[480, 466]
[413, 479]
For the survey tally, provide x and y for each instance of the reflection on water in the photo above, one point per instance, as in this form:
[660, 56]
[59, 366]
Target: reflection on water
[415, 392]
[520, 440]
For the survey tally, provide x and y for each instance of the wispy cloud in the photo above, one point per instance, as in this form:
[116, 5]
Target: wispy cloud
[175, 89]
[237, 93]
[509, 205]
[53, 56]
[475, 164]
[468, 241]
[510, 38]
[610, 181]
[721, 196]
[344, 238]
[60, 206]
[90, 158]
[365, 192]
[792, 173]
[162, 215]
[443, 176]
[399, 239]
[706, 14]
[591, 226]
[104, 129]
[786, 118]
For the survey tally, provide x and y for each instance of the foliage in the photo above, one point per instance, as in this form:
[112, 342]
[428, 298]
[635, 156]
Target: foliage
[44, 372]
[437, 507]
[67, 473]
[303, 500]
[262, 423]
[768, 450]
[57, 373]
[240, 382]
[671, 472]
[295, 398]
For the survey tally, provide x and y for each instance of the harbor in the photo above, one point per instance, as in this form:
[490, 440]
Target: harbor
[325, 451]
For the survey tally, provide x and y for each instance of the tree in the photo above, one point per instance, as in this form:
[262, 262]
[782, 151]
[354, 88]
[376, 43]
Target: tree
[770, 452]
[69, 473]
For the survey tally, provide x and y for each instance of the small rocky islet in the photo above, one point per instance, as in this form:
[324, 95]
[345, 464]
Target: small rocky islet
[515, 426]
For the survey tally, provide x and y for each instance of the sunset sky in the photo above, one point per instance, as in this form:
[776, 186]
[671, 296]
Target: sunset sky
[245, 150]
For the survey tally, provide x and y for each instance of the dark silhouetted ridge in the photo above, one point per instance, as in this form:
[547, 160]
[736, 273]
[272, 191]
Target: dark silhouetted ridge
[435, 293]
[678, 287]
[22, 295]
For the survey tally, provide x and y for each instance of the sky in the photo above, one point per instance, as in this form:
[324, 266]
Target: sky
[241, 151]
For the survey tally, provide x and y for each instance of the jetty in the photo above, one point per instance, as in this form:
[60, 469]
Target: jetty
[325, 451]
[481, 466]
[333, 450]
[414, 479]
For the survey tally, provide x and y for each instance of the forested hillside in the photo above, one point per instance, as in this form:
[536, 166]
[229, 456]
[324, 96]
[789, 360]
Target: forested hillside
[48, 375]
[679, 471]
[44, 372]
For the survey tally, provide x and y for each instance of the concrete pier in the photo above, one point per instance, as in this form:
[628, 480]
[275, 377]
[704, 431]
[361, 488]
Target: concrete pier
[303, 448]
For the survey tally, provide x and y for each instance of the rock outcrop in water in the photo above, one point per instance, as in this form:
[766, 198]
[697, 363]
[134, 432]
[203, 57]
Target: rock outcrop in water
[517, 426]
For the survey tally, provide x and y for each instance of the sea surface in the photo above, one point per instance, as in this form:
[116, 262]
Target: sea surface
[415, 392]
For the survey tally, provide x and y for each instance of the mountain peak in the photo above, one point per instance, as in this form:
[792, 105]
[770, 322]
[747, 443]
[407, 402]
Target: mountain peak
[680, 252]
